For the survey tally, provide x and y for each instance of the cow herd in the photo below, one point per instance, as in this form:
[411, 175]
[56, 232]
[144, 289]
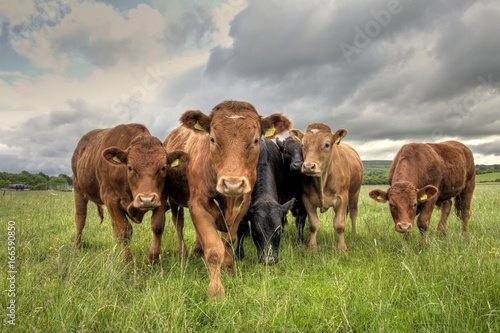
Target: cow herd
[235, 180]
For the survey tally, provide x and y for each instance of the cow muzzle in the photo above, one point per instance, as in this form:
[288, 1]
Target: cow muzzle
[311, 169]
[404, 228]
[296, 167]
[147, 201]
[268, 256]
[233, 186]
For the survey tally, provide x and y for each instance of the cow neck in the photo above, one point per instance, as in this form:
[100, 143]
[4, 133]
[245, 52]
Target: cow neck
[230, 210]
[319, 183]
[266, 181]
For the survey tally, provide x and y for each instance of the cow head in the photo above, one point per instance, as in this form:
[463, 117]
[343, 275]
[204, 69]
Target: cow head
[317, 145]
[234, 129]
[291, 149]
[267, 226]
[404, 202]
[146, 163]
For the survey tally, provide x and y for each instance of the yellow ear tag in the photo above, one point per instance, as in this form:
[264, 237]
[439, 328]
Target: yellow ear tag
[117, 159]
[270, 131]
[174, 163]
[198, 127]
[338, 140]
[380, 198]
[296, 138]
[423, 197]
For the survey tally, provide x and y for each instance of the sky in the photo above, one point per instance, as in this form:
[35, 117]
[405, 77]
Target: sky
[389, 71]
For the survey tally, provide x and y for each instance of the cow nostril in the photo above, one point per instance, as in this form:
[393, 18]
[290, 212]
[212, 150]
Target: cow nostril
[147, 199]
[404, 227]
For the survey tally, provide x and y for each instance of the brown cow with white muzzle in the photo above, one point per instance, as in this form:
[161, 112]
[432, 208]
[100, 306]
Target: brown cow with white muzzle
[426, 174]
[123, 168]
[223, 150]
[335, 174]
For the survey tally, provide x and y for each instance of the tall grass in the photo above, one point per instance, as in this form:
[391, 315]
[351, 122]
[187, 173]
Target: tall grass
[384, 284]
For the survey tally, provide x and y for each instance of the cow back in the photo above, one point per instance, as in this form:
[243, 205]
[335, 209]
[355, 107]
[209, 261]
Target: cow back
[447, 165]
[91, 172]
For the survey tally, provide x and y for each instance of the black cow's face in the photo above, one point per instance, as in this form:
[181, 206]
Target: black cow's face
[291, 149]
[267, 226]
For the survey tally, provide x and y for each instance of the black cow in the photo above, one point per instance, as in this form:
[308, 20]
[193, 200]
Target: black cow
[267, 212]
[291, 149]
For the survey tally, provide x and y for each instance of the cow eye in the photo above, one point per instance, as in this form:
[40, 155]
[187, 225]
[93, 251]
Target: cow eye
[212, 140]
[129, 168]
[256, 141]
[327, 145]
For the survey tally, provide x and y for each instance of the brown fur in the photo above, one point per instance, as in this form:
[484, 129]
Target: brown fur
[124, 169]
[335, 175]
[223, 150]
[426, 174]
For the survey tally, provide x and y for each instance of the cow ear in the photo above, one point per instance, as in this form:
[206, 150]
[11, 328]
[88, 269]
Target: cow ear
[378, 195]
[426, 193]
[177, 159]
[195, 120]
[287, 206]
[275, 124]
[296, 134]
[339, 135]
[115, 155]
[279, 143]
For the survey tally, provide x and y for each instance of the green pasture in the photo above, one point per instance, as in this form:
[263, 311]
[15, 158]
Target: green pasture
[383, 284]
[488, 177]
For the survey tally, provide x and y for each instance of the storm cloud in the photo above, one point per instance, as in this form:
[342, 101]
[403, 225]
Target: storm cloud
[389, 71]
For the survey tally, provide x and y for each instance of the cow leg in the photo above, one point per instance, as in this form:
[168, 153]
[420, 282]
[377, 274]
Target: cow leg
[228, 262]
[463, 204]
[122, 230]
[353, 211]
[243, 231]
[300, 221]
[157, 227]
[198, 247]
[178, 220]
[313, 224]
[339, 221]
[424, 218]
[80, 217]
[445, 207]
[212, 246]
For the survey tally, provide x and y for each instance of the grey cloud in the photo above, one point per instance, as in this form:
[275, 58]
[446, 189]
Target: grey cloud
[193, 27]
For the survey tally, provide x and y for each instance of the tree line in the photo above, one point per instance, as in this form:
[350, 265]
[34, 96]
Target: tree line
[36, 181]
[376, 173]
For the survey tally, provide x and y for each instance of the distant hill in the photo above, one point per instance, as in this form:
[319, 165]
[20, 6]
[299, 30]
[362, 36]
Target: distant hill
[371, 165]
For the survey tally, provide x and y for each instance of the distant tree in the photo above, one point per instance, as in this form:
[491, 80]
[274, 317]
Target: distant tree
[47, 177]
[59, 183]
[69, 180]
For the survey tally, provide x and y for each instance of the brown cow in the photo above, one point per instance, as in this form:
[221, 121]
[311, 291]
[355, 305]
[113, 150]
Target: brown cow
[123, 168]
[223, 152]
[335, 175]
[426, 174]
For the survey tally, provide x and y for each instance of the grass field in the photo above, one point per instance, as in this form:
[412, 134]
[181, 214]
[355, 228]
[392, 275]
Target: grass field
[488, 177]
[384, 284]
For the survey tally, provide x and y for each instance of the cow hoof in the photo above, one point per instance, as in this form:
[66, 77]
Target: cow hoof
[216, 292]
[342, 249]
